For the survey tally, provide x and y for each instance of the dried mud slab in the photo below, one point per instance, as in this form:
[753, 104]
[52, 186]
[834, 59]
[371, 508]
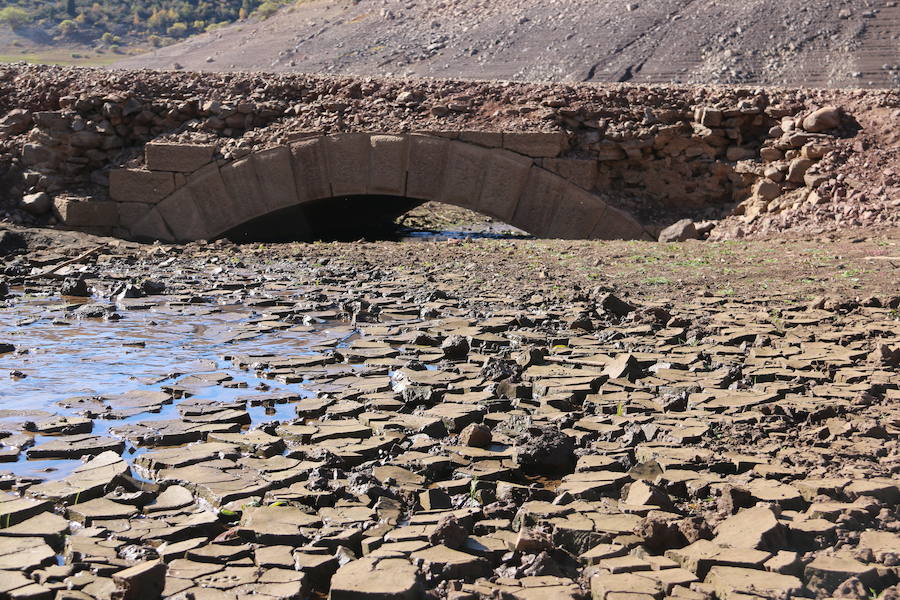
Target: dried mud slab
[375, 422]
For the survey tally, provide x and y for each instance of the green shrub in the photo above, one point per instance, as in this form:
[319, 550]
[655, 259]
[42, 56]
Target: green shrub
[268, 8]
[14, 16]
[130, 21]
[177, 30]
[67, 27]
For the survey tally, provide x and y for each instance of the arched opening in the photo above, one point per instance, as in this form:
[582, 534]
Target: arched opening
[351, 218]
[348, 186]
[344, 219]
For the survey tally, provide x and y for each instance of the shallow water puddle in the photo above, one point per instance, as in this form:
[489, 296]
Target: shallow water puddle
[69, 362]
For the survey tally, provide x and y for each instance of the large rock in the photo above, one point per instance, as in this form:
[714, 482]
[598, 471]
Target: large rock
[37, 204]
[679, 231]
[179, 158]
[823, 119]
[144, 581]
[15, 122]
[374, 579]
[475, 435]
[826, 573]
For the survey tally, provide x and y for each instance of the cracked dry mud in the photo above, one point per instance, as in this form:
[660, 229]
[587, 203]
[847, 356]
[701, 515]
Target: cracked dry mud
[449, 420]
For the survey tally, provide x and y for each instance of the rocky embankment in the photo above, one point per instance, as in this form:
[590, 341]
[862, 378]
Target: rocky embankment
[773, 159]
[465, 432]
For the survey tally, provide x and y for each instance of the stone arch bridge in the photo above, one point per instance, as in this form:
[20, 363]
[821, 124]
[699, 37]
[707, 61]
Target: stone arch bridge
[183, 194]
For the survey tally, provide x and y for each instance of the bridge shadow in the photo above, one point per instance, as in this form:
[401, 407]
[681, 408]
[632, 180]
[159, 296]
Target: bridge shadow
[346, 218]
[370, 217]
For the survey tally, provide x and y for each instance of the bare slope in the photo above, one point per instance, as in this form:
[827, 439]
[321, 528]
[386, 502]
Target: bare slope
[845, 43]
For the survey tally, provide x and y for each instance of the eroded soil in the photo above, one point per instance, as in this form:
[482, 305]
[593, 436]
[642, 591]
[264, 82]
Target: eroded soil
[487, 418]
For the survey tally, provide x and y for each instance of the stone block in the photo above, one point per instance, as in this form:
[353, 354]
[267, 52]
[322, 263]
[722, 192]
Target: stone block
[503, 184]
[348, 163]
[220, 211]
[38, 154]
[488, 139]
[425, 167]
[181, 158]
[81, 212]
[135, 185]
[276, 177]
[536, 145]
[577, 214]
[608, 150]
[536, 208]
[52, 120]
[581, 172]
[143, 581]
[387, 165]
[182, 216]
[151, 228]
[240, 180]
[310, 169]
[708, 117]
[463, 174]
[130, 213]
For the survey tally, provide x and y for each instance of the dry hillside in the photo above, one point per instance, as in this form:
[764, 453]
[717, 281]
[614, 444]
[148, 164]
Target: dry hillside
[833, 43]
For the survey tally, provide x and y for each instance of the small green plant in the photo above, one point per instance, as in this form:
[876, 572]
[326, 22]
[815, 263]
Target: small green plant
[268, 8]
[620, 409]
[657, 281]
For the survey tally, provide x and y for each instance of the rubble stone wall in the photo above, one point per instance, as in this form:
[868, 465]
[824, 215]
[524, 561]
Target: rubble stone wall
[650, 151]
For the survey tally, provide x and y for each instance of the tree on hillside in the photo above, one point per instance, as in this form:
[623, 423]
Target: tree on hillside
[67, 28]
[130, 20]
[14, 16]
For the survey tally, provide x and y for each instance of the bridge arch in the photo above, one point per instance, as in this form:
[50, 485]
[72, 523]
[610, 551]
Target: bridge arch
[502, 184]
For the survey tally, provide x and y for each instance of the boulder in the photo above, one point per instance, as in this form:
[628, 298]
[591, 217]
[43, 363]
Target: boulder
[15, 122]
[679, 231]
[826, 573]
[37, 204]
[823, 119]
[475, 435]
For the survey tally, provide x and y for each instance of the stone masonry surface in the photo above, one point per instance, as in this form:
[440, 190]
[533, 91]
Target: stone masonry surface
[761, 159]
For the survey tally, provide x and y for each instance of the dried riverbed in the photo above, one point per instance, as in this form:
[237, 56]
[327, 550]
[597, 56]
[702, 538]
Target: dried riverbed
[482, 419]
